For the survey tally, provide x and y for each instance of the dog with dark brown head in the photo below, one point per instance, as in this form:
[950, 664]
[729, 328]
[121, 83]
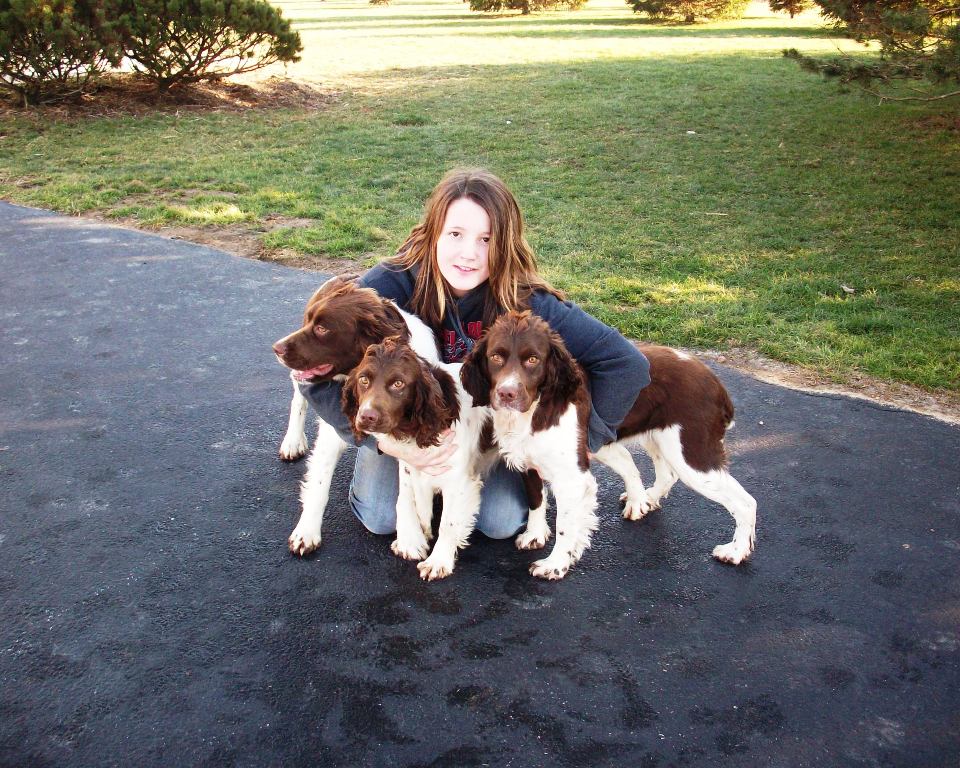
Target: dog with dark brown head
[522, 364]
[341, 320]
[405, 401]
[541, 410]
[393, 391]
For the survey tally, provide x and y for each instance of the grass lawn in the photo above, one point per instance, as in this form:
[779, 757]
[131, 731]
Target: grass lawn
[686, 184]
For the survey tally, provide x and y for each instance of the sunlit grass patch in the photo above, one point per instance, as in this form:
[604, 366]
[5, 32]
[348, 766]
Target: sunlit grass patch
[337, 236]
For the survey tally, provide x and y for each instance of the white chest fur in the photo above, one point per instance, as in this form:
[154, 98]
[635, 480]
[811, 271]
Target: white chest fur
[550, 451]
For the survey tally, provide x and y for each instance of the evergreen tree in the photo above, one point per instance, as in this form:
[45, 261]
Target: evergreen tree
[919, 39]
[690, 11]
[524, 6]
[793, 7]
[186, 41]
[53, 49]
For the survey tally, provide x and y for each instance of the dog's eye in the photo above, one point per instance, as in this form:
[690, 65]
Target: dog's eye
[533, 360]
[363, 381]
[496, 358]
[319, 330]
[398, 385]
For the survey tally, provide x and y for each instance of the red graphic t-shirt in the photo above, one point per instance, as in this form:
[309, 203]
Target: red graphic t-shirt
[454, 348]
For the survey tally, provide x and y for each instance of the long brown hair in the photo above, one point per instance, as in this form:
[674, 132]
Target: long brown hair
[512, 264]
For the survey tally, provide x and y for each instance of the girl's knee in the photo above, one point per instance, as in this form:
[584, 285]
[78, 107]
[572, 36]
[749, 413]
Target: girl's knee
[375, 518]
[502, 528]
[503, 507]
[373, 491]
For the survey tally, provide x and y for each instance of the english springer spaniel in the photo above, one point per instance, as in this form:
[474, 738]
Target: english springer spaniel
[401, 398]
[541, 408]
[341, 320]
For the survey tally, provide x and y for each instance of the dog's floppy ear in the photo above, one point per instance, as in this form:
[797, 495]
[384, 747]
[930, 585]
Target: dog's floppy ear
[561, 381]
[350, 405]
[429, 412]
[378, 319]
[475, 375]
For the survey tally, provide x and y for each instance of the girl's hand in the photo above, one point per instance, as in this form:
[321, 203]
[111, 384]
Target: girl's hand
[431, 460]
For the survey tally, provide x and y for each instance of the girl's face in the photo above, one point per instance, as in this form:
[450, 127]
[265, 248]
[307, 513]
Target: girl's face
[462, 246]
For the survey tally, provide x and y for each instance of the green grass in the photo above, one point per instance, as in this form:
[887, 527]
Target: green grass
[686, 184]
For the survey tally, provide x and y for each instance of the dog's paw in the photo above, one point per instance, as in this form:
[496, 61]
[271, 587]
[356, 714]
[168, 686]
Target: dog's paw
[293, 448]
[435, 567]
[533, 538]
[303, 542]
[410, 549]
[637, 506]
[733, 553]
[552, 568]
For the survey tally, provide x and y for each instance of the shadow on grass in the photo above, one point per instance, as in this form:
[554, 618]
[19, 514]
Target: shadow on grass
[499, 22]
[579, 30]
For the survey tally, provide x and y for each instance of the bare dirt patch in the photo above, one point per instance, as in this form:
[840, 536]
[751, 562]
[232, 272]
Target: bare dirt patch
[937, 123]
[121, 95]
[944, 406]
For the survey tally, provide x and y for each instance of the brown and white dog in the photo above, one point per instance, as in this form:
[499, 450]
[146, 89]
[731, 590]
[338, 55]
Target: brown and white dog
[341, 320]
[541, 408]
[400, 398]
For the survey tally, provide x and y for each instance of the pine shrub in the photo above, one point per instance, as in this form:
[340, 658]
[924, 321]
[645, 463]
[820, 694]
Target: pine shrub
[690, 11]
[919, 40]
[793, 7]
[175, 42]
[53, 49]
[524, 6]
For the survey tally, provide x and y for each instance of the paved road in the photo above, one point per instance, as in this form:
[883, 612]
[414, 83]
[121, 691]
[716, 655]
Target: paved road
[152, 616]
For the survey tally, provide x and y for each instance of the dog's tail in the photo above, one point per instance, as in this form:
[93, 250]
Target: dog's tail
[726, 407]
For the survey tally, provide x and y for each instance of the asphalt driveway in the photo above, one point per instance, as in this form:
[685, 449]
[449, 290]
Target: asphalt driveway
[152, 616]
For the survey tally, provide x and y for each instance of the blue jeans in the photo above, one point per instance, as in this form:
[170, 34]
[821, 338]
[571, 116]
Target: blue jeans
[375, 485]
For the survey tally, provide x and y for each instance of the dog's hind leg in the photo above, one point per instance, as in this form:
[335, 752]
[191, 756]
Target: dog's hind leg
[636, 502]
[665, 477]
[294, 444]
[720, 486]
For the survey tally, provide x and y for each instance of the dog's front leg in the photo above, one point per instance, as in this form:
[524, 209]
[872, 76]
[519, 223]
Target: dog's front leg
[315, 489]
[576, 497]
[410, 543]
[460, 507]
[537, 532]
[294, 444]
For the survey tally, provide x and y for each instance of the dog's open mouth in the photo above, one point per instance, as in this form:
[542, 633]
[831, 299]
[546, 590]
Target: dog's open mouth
[312, 373]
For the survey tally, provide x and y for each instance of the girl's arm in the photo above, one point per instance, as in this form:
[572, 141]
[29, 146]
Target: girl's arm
[324, 396]
[615, 368]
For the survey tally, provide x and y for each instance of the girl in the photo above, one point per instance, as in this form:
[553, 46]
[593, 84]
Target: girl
[466, 263]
